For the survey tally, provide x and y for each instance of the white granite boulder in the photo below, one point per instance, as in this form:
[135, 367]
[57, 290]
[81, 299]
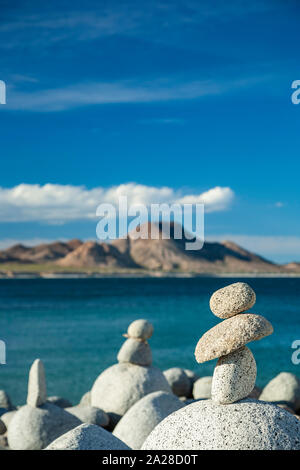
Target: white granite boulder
[122, 385]
[33, 428]
[234, 376]
[283, 389]
[178, 381]
[202, 388]
[231, 300]
[143, 416]
[245, 425]
[89, 415]
[87, 437]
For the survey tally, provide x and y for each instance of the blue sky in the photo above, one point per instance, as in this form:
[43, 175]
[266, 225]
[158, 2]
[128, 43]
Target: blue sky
[186, 95]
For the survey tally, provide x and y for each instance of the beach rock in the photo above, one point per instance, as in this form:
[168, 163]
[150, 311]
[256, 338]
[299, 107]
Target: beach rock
[143, 416]
[231, 300]
[246, 425]
[5, 401]
[141, 329]
[59, 401]
[87, 437]
[283, 389]
[178, 381]
[90, 415]
[120, 386]
[37, 394]
[7, 417]
[234, 376]
[3, 428]
[86, 399]
[230, 335]
[202, 388]
[33, 428]
[135, 352]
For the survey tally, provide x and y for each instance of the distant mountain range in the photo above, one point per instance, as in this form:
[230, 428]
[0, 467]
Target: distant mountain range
[143, 254]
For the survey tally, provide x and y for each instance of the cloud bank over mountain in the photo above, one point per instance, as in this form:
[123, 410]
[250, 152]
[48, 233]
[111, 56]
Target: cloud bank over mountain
[55, 203]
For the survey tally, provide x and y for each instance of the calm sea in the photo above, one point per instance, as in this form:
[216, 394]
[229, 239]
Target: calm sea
[75, 326]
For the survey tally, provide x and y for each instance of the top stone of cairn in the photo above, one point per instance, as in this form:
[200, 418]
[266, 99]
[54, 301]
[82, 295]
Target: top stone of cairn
[37, 394]
[231, 300]
[140, 329]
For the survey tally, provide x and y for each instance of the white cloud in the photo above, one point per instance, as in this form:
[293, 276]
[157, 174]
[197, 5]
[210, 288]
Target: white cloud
[215, 199]
[87, 94]
[54, 203]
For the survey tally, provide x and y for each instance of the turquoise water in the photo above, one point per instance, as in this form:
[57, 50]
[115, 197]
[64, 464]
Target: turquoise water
[75, 326]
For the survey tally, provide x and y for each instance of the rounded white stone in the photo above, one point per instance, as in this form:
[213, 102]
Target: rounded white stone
[89, 415]
[143, 416]
[234, 376]
[283, 389]
[122, 385]
[135, 352]
[33, 428]
[246, 425]
[87, 437]
[178, 381]
[231, 300]
[141, 329]
[202, 388]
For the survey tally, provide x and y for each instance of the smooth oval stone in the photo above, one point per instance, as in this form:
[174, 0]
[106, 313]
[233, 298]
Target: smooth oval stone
[141, 329]
[234, 376]
[120, 386]
[202, 388]
[231, 300]
[34, 428]
[283, 389]
[135, 352]
[230, 335]
[178, 381]
[90, 415]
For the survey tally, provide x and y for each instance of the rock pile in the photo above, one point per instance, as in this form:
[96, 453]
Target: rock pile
[123, 384]
[235, 373]
[228, 420]
[36, 424]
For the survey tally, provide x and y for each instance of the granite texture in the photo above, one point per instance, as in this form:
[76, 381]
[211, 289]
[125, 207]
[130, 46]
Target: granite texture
[230, 335]
[87, 437]
[232, 299]
[245, 425]
[234, 376]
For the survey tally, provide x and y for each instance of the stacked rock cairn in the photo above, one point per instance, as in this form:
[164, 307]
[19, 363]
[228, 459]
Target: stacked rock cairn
[235, 373]
[136, 349]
